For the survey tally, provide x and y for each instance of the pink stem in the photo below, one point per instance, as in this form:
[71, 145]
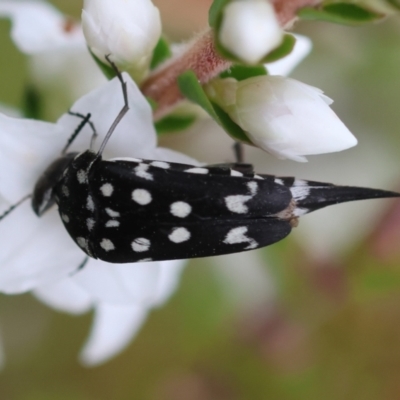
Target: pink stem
[202, 58]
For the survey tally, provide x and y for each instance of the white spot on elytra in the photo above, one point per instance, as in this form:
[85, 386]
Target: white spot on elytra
[253, 187]
[236, 203]
[235, 173]
[238, 235]
[179, 235]
[112, 223]
[180, 209]
[160, 164]
[90, 222]
[107, 245]
[140, 244]
[112, 213]
[141, 196]
[258, 177]
[279, 181]
[81, 175]
[90, 203]
[141, 172]
[65, 191]
[300, 189]
[107, 189]
[298, 211]
[65, 218]
[82, 242]
[197, 170]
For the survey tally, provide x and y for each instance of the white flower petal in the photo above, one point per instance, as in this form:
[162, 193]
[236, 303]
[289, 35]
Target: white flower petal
[34, 251]
[163, 154]
[37, 26]
[26, 149]
[120, 283]
[113, 328]
[127, 30]
[71, 71]
[286, 65]
[250, 29]
[283, 116]
[64, 295]
[134, 136]
[294, 120]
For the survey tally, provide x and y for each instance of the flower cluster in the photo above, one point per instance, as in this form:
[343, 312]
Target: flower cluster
[282, 116]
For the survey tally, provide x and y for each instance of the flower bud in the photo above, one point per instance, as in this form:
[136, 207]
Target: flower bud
[250, 29]
[283, 116]
[127, 30]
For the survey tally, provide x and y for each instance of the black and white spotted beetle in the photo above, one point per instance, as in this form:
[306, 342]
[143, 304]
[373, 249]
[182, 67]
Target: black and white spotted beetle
[133, 210]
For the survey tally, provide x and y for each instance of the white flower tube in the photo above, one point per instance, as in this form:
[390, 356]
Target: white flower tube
[128, 30]
[250, 29]
[283, 116]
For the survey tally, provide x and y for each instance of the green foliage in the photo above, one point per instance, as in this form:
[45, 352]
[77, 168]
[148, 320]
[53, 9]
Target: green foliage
[394, 3]
[215, 12]
[161, 53]
[107, 70]
[32, 103]
[340, 13]
[192, 90]
[174, 123]
[284, 49]
[242, 72]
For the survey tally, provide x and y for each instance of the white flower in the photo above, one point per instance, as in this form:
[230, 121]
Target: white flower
[283, 116]
[59, 59]
[250, 29]
[43, 257]
[37, 26]
[128, 30]
[120, 296]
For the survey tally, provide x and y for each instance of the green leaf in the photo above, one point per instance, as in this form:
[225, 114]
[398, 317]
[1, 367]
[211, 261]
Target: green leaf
[283, 50]
[231, 127]
[340, 13]
[32, 103]
[192, 90]
[215, 12]
[161, 53]
[174, 123]
[242, 72]
[394, 3]
[107, 70]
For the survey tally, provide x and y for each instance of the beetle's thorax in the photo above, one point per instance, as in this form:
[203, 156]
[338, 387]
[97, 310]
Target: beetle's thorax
[76, 205]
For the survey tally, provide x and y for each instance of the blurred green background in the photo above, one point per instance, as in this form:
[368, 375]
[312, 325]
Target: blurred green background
[332, 328]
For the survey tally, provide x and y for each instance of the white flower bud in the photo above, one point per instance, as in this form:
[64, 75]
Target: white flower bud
[128, 30]
[283, 116]
[250, 29]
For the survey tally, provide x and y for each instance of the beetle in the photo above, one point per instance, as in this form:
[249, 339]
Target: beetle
[134, 210]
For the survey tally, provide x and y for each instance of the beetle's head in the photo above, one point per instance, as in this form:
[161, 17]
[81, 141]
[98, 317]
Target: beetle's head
[43, 193]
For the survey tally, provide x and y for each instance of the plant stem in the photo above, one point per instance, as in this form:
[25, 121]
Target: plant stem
[201, 57]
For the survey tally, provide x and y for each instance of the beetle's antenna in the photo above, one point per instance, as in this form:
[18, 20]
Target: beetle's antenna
[123, 111]
[85, 120]
[14, 206]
